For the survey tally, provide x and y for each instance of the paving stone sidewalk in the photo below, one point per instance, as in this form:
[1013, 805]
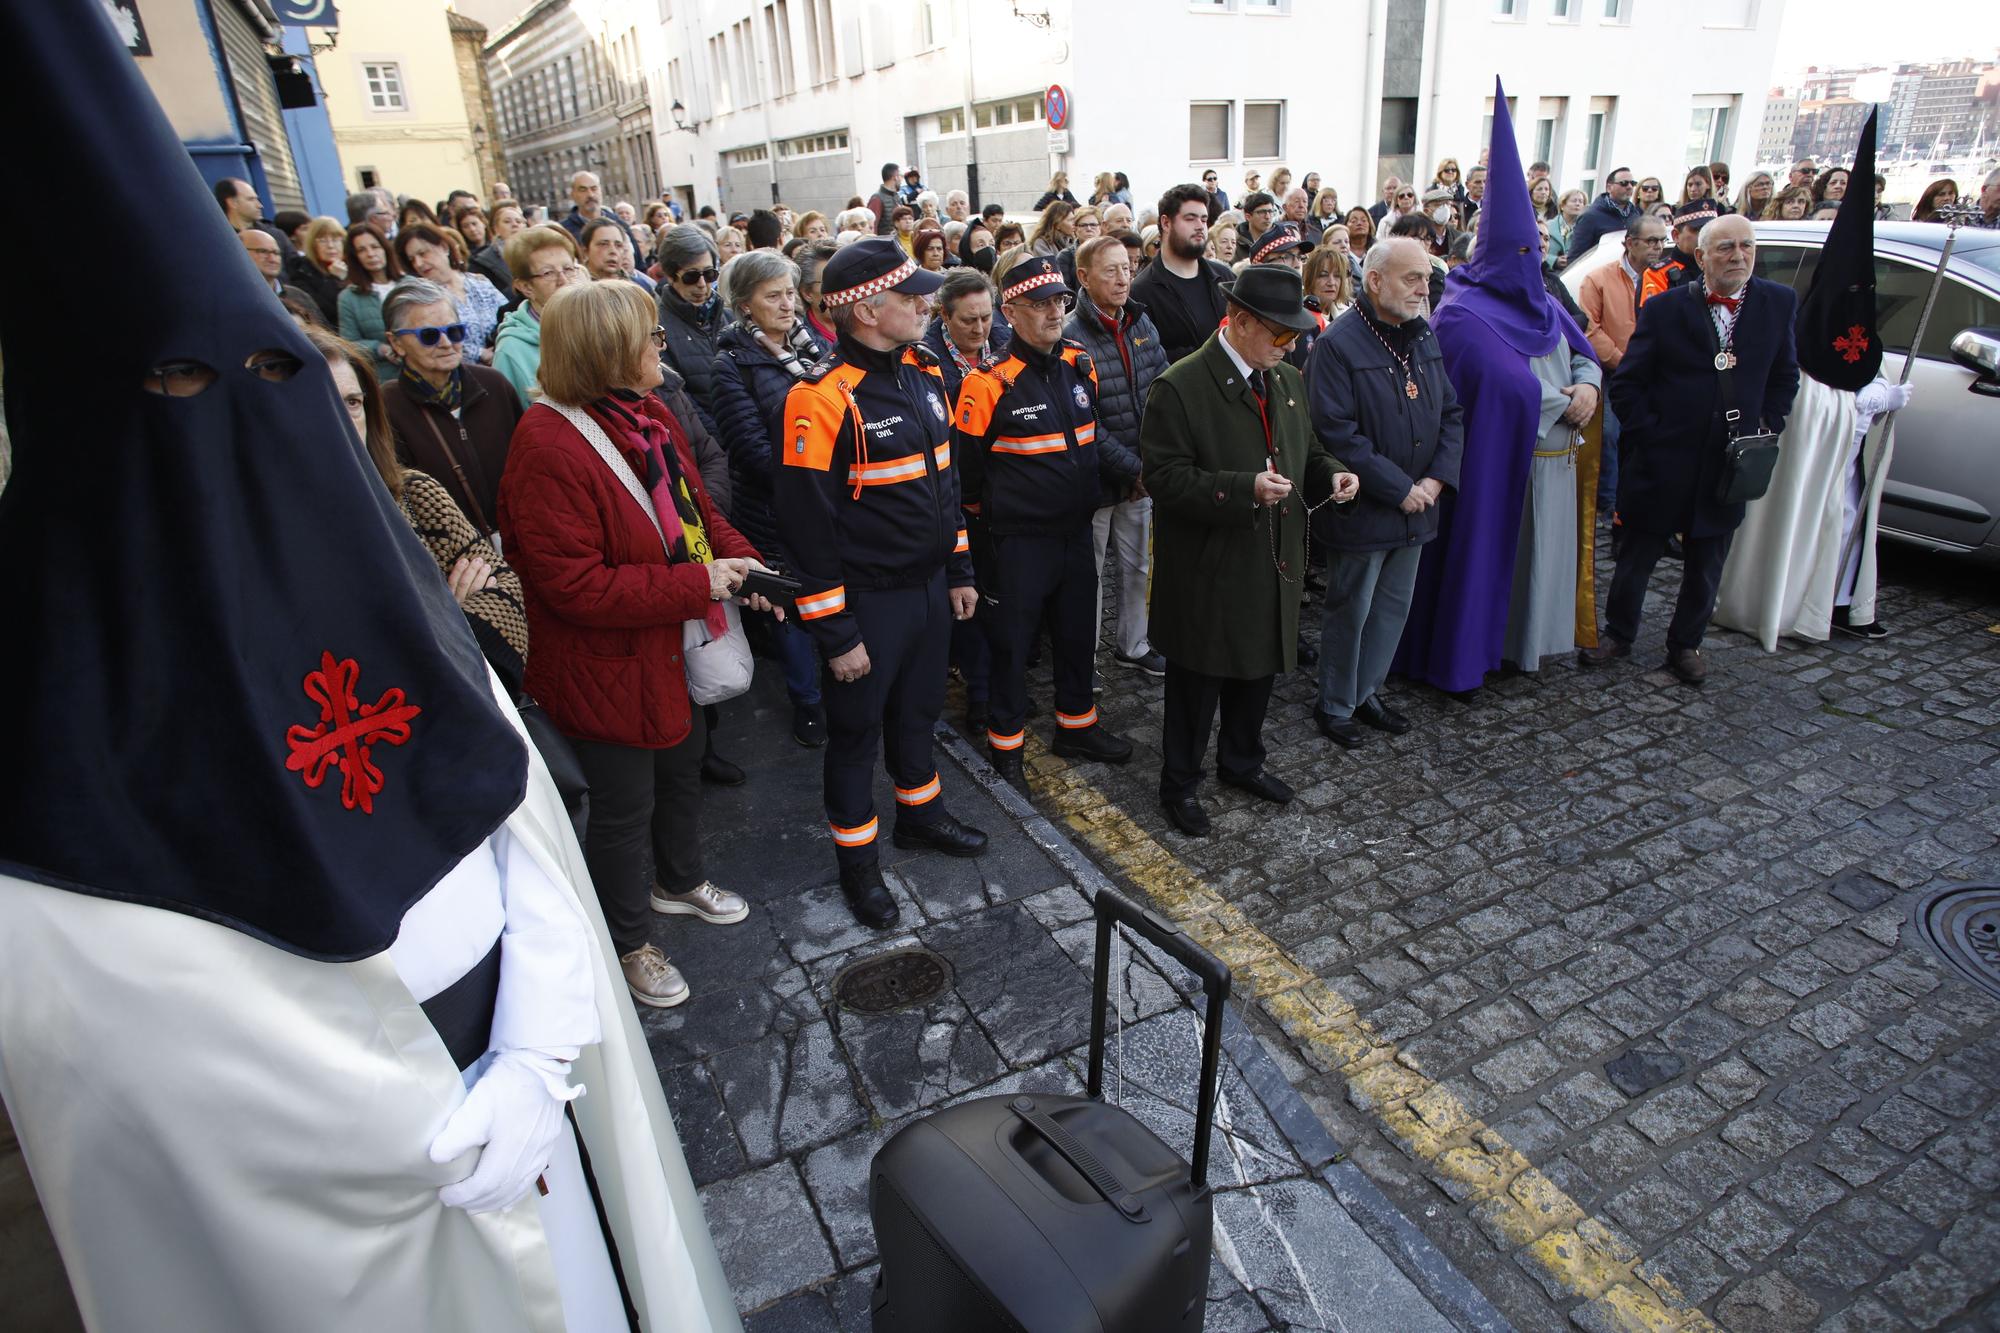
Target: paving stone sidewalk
[1659, 939]
[782, 1097]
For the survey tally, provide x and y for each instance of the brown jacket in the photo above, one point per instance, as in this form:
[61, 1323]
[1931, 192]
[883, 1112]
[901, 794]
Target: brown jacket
[1607, 297]
[465, 453]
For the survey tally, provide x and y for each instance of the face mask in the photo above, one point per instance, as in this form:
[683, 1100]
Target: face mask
[983, 258]
[1442, 213]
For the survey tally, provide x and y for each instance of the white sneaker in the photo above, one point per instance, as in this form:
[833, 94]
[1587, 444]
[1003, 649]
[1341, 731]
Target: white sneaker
[651, 978]
[718, 907]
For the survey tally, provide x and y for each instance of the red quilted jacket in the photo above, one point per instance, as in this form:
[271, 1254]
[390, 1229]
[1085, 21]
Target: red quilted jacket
[605, 609]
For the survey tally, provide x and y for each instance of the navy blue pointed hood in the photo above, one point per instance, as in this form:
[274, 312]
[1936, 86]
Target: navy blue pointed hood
[236, 685]
[1837, 340]
[1502, 283]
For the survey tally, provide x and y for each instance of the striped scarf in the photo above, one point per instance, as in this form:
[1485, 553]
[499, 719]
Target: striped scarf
[798, 354]
[424, 395]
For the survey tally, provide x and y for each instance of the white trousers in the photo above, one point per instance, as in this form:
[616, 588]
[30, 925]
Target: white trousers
[1130, 522]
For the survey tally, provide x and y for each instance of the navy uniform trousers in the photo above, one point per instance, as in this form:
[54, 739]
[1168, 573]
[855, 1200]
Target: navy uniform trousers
[1032, 578]
[907, 632]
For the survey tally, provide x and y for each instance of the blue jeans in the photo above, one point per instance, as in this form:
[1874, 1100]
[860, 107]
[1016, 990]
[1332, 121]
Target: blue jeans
[800, 661]
[1367, 601]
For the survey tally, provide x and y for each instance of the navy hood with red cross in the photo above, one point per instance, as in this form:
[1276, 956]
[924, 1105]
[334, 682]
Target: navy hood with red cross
[237, 685]
[1837, 339]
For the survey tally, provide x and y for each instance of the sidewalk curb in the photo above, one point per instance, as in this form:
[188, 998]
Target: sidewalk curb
[1434, 1275]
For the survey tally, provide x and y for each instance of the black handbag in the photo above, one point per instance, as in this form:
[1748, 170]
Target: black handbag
[561, 760]
[1747, 460]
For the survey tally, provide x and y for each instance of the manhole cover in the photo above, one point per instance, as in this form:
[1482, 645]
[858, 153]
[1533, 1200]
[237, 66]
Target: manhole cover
[891, 981]
[1963, 926]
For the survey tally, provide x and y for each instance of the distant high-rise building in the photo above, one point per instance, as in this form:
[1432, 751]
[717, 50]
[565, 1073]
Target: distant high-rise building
[1774, 139]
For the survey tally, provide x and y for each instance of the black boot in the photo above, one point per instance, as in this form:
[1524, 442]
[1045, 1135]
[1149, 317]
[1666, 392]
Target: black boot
[943, 834]
[868, 897]
[719, 772]
[1007, 763]
[1095, 741]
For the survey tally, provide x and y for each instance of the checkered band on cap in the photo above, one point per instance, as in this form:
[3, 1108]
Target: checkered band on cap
[1276, 243]
[873, 286]
[1029, 284]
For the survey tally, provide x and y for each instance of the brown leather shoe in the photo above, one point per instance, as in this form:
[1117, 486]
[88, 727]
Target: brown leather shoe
[1608, 650]
[1687, 664]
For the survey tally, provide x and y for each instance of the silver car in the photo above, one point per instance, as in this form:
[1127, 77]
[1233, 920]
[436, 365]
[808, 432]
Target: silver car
[1943, 489]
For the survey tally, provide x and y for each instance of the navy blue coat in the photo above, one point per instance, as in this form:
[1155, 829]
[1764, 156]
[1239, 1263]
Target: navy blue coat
[1668, 397]
[748, 396]
[1391, 441]
[1121, 398]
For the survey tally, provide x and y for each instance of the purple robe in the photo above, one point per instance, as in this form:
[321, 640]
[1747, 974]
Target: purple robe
[1495, 318]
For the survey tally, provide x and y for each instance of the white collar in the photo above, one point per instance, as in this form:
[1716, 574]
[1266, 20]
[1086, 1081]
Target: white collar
[1235, 358]
[1625, 262]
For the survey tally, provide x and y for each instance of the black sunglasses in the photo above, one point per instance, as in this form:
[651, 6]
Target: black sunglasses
[430, 333]
[691, 276]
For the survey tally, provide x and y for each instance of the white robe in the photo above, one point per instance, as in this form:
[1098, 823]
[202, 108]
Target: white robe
[226, 1136]
[1782, 575]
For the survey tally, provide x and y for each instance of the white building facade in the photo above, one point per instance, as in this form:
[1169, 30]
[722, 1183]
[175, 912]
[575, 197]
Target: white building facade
[805, 100]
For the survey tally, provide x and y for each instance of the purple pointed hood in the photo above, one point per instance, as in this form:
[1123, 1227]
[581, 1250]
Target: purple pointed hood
[1502, 284]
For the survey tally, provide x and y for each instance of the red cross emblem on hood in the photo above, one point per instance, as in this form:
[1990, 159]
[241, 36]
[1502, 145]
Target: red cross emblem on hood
[346, 732]
[1852, 344]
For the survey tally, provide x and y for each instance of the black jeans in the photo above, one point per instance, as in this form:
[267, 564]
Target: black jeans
[1701, 577]
[645, 823]
[1192, 700]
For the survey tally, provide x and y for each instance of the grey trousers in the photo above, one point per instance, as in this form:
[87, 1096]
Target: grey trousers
[1367, 601]
[1127, 527]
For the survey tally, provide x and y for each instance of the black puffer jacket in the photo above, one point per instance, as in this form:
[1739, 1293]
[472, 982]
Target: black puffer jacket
[1121, 383]
[691, 335]
[750, 389]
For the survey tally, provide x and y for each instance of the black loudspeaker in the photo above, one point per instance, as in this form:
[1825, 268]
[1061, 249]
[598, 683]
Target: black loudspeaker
[295, 86]
[1052, 1214]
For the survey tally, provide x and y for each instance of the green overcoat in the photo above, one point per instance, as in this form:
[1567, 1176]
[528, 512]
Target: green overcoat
[1220, 605]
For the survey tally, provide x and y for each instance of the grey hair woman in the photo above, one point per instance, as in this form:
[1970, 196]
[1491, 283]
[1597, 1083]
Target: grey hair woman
[452, 418]
[691, 311]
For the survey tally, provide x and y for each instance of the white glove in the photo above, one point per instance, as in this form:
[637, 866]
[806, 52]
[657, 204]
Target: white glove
[1899, 398]
[515, 1111]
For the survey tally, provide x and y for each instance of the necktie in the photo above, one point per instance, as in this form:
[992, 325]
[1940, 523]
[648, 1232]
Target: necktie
[1257, 384]
[1730, 301]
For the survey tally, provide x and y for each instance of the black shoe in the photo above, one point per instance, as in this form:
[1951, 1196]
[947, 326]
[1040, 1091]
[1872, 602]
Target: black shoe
[943, 834]
[1261, 785]
[1342, 731]
[1374, 713]
[868, 897]
[1308, 655]
[808, 725]
[977, 713]
[1687, 665]
[1149, 662]
[1187, 815]
[1608, 650]
[1874, 629]
[1092, 742]
[1007, 763]
[719, 772]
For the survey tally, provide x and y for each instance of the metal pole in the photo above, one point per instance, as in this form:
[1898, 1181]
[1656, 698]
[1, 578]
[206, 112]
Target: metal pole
[965, 111]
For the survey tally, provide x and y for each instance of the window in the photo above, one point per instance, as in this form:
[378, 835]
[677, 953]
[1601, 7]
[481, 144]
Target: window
[1398, 137]
[1507, 9]
[934, 23]
[1596, 135]
[951, 122]
[1562, 11]
[814, 145]
[1486, 123]
[1709, 128]
[1549, 118]
[778, 33]
[1729, 13]
[718, 72]
[1614, 11]
[1267, 6]
[385, 85]
[1208, 131]
[1263, 129]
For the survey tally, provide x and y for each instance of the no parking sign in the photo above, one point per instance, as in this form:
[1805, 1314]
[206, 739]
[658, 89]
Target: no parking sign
[1055, 105]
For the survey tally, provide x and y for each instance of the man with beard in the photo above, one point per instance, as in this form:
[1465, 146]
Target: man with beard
[1180, 289]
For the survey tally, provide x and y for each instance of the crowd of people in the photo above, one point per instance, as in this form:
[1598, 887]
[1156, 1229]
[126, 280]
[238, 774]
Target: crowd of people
[957, 431]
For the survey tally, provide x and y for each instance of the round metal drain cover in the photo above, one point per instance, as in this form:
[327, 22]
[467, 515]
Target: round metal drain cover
[1963, 926]
[891, 981]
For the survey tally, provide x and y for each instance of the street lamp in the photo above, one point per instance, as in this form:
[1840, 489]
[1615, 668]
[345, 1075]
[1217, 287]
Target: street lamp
[680, 114]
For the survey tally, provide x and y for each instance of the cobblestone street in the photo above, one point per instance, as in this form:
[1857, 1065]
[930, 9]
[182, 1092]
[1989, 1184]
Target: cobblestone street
[1611, 984]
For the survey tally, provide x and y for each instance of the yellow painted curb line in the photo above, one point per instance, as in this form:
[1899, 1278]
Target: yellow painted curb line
[1562, 1245]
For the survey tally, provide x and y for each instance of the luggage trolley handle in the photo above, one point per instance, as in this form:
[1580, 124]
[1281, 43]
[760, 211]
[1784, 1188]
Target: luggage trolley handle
[1114, 909]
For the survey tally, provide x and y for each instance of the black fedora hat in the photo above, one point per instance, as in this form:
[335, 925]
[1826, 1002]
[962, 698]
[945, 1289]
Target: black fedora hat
[1273, 292]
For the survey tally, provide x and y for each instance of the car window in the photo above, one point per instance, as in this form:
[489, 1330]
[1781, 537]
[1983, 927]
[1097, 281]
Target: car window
[1780, 263]
[1900, 289]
